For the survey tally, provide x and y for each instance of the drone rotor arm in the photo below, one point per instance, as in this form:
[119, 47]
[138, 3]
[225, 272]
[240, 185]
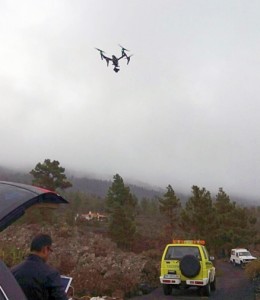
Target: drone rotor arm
[128, 58]
[122, 56]
[107, 60]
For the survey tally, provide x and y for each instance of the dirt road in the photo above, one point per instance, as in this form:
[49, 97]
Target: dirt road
[232, 284]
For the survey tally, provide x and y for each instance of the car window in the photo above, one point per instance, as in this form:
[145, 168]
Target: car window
[244, 253]
[180, 251]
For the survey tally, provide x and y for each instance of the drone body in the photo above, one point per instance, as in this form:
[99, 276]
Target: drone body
[114, 59]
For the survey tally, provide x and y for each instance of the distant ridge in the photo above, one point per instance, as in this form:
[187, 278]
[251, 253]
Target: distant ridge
[100, 187]
[7, 174]
[87, 185]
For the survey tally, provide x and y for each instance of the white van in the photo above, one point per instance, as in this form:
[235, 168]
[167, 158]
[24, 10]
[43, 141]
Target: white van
[241, 256]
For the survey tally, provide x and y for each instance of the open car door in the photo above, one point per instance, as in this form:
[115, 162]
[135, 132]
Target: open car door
[9, 288]
[15, 198]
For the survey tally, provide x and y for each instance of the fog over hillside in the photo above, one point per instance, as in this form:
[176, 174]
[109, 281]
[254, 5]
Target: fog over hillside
[91, 185]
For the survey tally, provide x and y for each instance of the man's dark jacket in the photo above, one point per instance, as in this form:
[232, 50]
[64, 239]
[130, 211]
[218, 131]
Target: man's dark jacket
[38, 280]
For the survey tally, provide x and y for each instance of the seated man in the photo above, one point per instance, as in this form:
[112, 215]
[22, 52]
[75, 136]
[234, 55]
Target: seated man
[38, 280]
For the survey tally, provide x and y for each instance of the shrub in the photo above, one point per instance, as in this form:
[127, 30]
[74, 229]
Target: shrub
[253, 269]
[66, 263]
[11, 255]
[88, 281]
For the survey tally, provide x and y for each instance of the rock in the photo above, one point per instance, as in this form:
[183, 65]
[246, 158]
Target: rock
[118, 294]
[257, 285]
[95, 263]
[145, 288]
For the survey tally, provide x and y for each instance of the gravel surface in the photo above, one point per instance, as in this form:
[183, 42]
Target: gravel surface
[232, 284]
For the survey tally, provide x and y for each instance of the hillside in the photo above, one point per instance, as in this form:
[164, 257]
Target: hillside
[97, 265]
[99, 188]
[83, 184]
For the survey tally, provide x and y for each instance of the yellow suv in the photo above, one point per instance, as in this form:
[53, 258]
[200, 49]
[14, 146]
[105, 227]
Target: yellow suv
[186, 263]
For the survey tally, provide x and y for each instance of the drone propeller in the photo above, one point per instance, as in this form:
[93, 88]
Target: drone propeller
[123, 49]
[101, 52]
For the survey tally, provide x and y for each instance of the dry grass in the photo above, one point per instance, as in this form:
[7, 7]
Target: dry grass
[11, 255]
[252, 269]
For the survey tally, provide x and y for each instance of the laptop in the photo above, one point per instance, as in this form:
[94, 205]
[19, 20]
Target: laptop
[65, 281]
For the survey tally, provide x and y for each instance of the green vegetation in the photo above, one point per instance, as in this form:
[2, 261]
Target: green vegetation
[253, 269]
[141, 225]
[121, 205]
[170, 207]
[197, 218]
[222, 223]
[10, 254]
[50, 175]
[148, 223]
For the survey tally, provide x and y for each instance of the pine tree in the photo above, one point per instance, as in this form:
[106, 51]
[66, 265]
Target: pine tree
[50, 175]
[120, 195]
[224, 209]
[122, 228]
[197, 217]
[170, 207]
[121, 205]
[234, 224]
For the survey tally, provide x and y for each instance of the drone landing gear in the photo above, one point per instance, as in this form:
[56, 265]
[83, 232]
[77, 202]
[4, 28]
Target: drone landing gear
[116, 69]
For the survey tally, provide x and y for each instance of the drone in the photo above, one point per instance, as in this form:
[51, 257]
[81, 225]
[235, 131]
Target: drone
[114, 59]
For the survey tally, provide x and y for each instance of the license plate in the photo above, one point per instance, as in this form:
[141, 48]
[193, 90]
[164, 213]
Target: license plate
[171, 276]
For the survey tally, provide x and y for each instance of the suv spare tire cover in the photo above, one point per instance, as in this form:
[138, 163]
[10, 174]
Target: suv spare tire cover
[190, 266]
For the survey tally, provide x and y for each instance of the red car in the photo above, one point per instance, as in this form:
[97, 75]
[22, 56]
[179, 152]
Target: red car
[15, 198]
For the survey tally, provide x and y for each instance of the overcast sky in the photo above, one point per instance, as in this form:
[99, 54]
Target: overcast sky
[185, 111]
